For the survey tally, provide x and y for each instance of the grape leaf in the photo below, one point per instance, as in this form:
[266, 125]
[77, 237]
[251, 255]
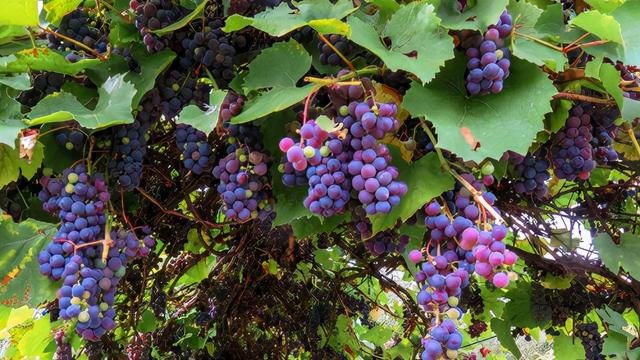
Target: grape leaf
[413, 28]
[261, 70]
[566, 347]
[478, 17]
[271, 101]
[17, 81]
[182, 22]
[57, 9]
[204, 121]
[503, 332]
[619, 256]
[113, 108]
[602, 25]
[19, 12]
[9, 167]
[631, 109]
[519, 299]
[10, 119]
[616, 344]
[19, 267]
[425, 180]
[609, 76]
[30, 168]
[42, 59]
[627, 16]
[322, 15]
[500, 122]
[307, 226]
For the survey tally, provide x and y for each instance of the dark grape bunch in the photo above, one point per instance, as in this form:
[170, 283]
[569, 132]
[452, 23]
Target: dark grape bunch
[154, 15]
[330, 57]
[72, 139]
[212, 49]
[178, 90]
[196, 151]
[591, 340]
[531, 173]
[571, 148]
[630, 81]
[251, 7]
[387, 242]
[79, 26]
[488, 62]
[44, 83]
[603, 119]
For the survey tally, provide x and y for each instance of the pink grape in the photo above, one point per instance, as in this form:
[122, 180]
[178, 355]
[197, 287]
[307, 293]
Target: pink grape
[416, 256]
[285, 144]
[500, 280]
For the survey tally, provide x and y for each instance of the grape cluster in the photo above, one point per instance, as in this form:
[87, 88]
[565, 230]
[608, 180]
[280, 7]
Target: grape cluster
[154, 15]
[130, 142]
[476, 328]
[604, 131]
[342, 95]
[330, 57]
[178, 90]
[73, 139]
[387, 242]
[488, 62]
[591, 340]
[630, 81]
[571, 148]
[231, 106]
[212, 49]
[77, 255]
[531, 173]
[196, 151]
[63, 348]
[445, 335]
[44, 83]
[251, 7]
[78, 26]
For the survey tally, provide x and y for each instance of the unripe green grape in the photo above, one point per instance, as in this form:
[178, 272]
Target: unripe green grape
[69, 188]
[47, 171]
[69, 146]
[309, 151]
[84, 316]
[453, 301]
[488, 168]
[73, 178]
[125, 140]
[344, 110]
[324, 151]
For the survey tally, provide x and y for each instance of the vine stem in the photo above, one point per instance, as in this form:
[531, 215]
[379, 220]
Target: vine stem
[591, 99]
[75, 42]
[634, 140]
[568, 47]
[340, 54]
[589, 44]
[539, 41]
[126, 18]
[305, 114]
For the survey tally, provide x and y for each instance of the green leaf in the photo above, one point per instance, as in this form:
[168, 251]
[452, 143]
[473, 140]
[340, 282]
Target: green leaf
[322, 15]
[604, 26]
[615, 344]
[19, 262]
[519, 299]
[18, 81]
[503, 332]
[304, 227]
[9, 167]
[478, 17]
[619, 256]
[30, 168]
[204, 121]
[425, 180]
[57, 9]
[557, 282]
[378, 335]
[609, 76]
[414, 27]
[261, 70]
[631, 109]
[34, 342]
[19, 12]
[182, 22]
[10, 118]
[500, 122]
[270, 102]
[325, 123]
[567, 347]
[627, 16]
[113, 108]
[564, 238]
[605, 6]
[42, 59]
[148, 322]
[615, 320]
[551, 22]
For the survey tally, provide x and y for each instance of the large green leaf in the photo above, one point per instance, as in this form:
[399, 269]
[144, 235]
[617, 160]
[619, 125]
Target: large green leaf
[605, 6]
[566, 347]
[425, 180]
[500, 122]
[18, 81]
[113, 108]
[610, 78]
[9, 167]
[42, 59]
[413, 28]
[322, 15]
[526, 18]
[478, 17]
[10, 118]
[19, 12]
[271, 101]
[57, 9]
[627, 16]
[602, 25]
[503, 331]
[204, 121]
[519, 300]
[261, 70]
[623, 255]
[19, 248]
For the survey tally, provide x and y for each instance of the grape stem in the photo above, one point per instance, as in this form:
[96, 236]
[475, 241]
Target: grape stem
[589, 44]
[539, 41]
[634, 140]
[126, 18]
[579, 97]
[305, 115]
[75, 42]
[569, 47]
[340, 54]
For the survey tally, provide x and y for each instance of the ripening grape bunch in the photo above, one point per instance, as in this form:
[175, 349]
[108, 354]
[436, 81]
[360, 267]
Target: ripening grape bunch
[196, 151]
[488, 59]
[251, 7]
[387, 242]
[327, 55]
[531, 173]
[72, 139]
[178, 90]
[154, 15]
[78, 26]
[44, 83]
[605, 130]
[444, 340]
[571, 148]
[630, 81]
